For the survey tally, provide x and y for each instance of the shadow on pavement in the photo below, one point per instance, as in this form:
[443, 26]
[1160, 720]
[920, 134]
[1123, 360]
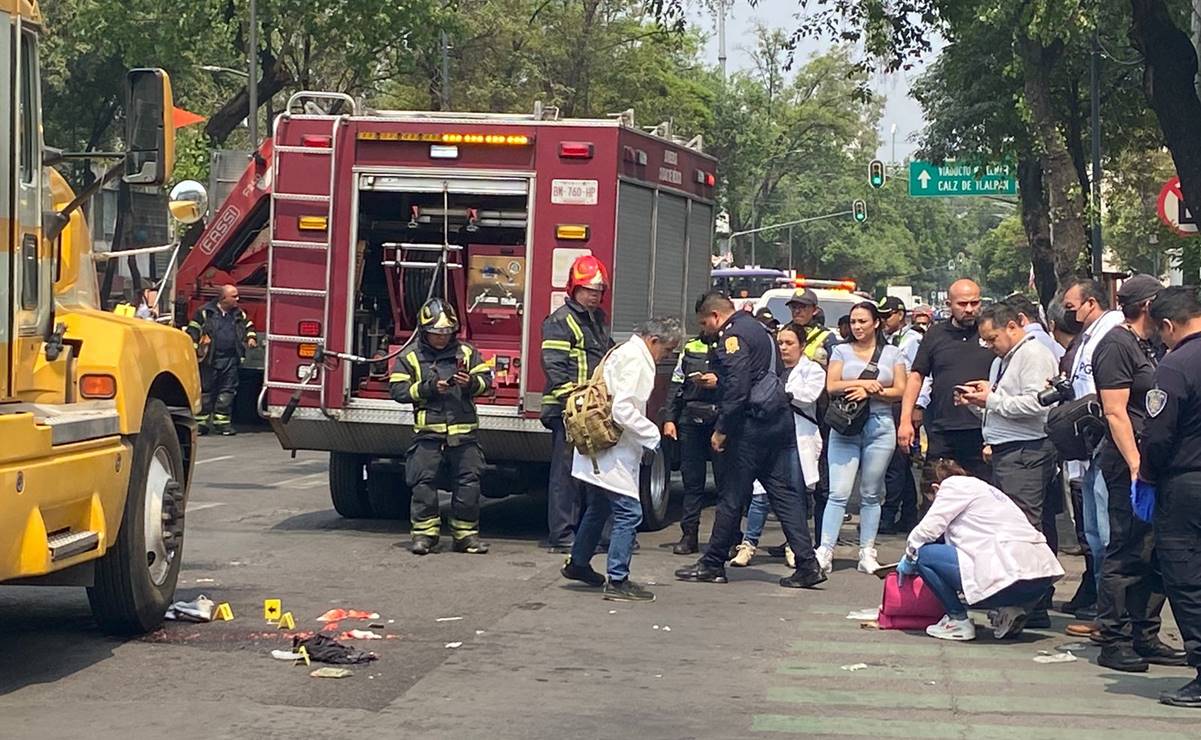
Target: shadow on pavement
[50, 634]
[1147, 686]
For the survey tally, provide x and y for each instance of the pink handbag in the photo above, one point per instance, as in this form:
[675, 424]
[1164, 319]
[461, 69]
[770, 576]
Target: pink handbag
[911, 606]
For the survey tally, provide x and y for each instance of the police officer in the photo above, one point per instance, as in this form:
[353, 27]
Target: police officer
[221, 334]
[1170, 463]
[441, 376]
[691, 415]
[759, 442]
[818, 341]
[574, 339]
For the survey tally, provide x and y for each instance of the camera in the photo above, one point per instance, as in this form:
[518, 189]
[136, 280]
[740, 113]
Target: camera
[1061, 390]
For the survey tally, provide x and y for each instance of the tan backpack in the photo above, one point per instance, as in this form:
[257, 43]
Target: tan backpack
[588, 416]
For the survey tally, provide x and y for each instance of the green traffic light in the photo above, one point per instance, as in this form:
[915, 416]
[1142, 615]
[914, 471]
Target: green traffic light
[875, 174]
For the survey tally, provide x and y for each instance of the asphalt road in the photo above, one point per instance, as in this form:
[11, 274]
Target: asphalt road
[539, 657]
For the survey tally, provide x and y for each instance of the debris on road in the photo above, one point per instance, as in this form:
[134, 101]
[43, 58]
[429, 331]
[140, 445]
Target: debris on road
[865, 615]
[286, 655]
[478, 633]
[331, 673]
[854, 667]
[1045, 656]
[666, 628]
[448, 619]
[325, 649]
[335, 615]
[453, 645]
[360, 635]
[199, 609]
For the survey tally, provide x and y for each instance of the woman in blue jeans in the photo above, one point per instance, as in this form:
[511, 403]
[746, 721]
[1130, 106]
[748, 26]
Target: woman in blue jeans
[861, 460]
[992, 555]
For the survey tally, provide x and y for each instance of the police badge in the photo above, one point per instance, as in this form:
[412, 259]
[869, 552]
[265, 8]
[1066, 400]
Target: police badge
[1156, 401]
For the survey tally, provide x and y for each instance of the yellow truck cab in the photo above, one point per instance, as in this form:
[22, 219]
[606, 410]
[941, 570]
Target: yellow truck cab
[97, 430]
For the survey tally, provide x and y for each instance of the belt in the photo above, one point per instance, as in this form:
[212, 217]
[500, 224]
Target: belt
[1018, 444]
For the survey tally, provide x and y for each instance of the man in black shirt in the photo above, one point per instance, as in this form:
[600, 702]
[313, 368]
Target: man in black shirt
[1130, 596]
[1171, 462]
[952, 355]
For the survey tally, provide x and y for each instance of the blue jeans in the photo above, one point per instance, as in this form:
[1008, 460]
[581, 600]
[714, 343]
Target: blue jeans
[626, 513]
[1095, 498]
[756, 518]
[938, 566]
[863, 457]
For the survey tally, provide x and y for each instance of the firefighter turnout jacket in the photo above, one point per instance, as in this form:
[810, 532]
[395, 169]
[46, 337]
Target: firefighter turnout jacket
[228, 332]
[574, 341]
[687, 402]
[449, 416]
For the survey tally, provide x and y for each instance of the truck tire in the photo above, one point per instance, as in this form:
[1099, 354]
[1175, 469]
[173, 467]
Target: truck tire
[387, 494]
[348, 485]
[655, 484]
[135, 579]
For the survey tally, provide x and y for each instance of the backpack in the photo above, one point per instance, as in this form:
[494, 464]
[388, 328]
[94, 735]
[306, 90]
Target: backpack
[1077, 427]
[588, 416]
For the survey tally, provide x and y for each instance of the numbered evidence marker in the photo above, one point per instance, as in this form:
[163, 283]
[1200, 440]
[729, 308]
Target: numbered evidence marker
[272, 608]
[286, 622]
[223, 613]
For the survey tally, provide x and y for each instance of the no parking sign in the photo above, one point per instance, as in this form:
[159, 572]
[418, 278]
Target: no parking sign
[1173, 212]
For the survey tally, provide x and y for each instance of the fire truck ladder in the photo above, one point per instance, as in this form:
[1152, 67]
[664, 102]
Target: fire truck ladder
[283, 152]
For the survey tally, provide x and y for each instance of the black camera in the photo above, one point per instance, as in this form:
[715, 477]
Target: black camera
[1061, 390]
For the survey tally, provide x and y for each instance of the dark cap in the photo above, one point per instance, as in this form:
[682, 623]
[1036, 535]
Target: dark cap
[803, 297]
[890, 305]
[764, 314]
[1138, 288]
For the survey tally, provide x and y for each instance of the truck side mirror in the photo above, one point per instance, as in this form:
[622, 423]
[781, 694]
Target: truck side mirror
[149, 127]
[189, 201]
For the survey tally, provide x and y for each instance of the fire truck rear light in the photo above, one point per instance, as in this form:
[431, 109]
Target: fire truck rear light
[444, 151]
[313, 223]
[368, 136]
[306, 351]
[309, 329]
[575, 150]
[574, 232]
[316, 140]
[705, 178]
[430, 137]
[98, 386]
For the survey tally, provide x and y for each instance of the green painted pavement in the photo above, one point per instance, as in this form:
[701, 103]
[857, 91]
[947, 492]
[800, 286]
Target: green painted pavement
[935, 672]
[936, 728]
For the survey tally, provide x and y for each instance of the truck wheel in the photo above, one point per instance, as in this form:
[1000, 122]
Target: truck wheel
[348, 485]
[655, 493]
[387, 494]
[135, 579]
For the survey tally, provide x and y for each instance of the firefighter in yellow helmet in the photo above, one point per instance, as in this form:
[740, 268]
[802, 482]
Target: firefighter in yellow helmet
[441, 376]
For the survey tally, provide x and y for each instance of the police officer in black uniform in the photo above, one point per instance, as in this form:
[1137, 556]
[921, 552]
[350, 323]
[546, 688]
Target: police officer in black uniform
[221, 334]
[691, 415]
[757, 442]
[1170, 463]
[441, 376]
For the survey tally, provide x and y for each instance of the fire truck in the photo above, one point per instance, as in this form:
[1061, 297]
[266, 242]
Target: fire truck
[366, 214]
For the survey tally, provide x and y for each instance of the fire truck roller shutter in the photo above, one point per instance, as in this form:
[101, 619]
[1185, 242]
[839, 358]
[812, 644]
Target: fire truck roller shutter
[700, 249]
[671, 237]
[632, 264]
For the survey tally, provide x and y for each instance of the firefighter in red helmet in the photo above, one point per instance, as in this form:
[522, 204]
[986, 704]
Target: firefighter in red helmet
[574, 339]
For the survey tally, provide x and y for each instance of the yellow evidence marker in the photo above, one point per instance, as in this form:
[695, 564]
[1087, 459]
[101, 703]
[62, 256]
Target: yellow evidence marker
[286, 622]
[223, 613]
[272, 609]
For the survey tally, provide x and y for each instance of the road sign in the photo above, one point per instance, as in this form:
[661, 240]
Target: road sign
[1173, 212]
[859, 210]
[875, 174]
[951, 179]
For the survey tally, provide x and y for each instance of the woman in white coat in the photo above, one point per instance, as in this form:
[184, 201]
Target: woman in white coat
[992, 555]
[611, 485]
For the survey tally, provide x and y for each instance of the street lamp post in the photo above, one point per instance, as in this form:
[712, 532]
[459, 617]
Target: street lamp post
[893, 131]
[784, 225]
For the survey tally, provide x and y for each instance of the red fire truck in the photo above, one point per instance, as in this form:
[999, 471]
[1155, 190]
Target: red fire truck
[370, 213]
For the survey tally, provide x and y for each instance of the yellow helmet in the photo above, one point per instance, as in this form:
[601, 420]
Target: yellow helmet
[437, 317]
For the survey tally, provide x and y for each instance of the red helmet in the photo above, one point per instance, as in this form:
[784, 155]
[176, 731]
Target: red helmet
[587, 272]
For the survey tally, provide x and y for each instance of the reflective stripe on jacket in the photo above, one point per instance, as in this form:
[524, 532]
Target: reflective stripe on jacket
[450, 415]
[573, 343]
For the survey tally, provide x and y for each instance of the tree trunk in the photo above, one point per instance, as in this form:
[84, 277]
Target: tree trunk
[1064, 196]
[1037, 224]
[223, 123]
[1169, 79]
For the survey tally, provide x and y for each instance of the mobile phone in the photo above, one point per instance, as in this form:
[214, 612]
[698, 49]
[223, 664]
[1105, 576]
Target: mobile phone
[964, 389]
[693, 376]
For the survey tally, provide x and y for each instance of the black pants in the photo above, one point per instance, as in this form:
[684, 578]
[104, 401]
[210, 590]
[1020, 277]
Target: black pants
[695, 453]
[1024, 471]
[563, 500]
[218, 387]
[900, 493]
[776, 466]
[1178, 548]
[821, 492]
[1131, 595]
[464, 462]
[964, 446]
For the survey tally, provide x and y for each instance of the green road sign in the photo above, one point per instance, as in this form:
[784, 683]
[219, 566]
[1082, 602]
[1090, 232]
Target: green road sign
[928, 180]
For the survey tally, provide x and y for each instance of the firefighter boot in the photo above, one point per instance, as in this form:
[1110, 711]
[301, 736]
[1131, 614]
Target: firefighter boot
[471, 544]
[423, 544]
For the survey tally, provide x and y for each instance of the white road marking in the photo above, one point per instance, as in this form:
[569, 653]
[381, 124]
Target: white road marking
[193, 508]
[214, 459]
[294, 481]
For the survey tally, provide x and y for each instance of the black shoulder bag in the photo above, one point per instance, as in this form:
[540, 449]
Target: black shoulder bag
[848, 417]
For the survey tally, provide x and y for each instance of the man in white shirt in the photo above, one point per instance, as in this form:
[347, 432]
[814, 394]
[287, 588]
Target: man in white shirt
[1031, 323]
[611, 479]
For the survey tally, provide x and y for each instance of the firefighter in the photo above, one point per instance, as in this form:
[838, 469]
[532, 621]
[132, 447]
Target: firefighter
[221, 334]
[574, 339]
[441, 376]
[691, 413]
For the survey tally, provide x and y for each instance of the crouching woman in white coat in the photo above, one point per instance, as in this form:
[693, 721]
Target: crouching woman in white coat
[611, 486]
[992, 555]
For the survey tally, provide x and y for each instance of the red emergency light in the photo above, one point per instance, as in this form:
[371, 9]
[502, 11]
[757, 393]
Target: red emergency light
[845, 284]
[309, 329]
[708, 179]
[575, 150]
[320, 141]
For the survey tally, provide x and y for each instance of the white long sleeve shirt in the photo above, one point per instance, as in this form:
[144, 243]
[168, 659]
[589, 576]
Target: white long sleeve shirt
[1012, 412]
[805, 384]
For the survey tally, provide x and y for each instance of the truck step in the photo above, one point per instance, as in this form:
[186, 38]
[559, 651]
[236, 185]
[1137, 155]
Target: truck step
[68, 544]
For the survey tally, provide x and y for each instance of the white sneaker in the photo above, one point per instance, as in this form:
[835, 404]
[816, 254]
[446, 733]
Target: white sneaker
[789, 557]
[1008, 621]
[867, 560]
[960, 630]
[742, 558]
[825, 559]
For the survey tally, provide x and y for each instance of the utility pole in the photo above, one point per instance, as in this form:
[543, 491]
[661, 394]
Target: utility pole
[789, 247]
[1094, 78]
[721, 36]
[252, 84]
[445, 72]
[893, 131]
[1196, 25]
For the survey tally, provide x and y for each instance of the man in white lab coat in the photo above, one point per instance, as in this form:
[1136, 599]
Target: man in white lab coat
[611, 485]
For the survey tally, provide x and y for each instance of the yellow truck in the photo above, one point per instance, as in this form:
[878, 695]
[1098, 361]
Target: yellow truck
[97, 411]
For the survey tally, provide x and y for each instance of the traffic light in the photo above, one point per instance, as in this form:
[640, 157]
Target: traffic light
[875, 174]
[859, 211]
